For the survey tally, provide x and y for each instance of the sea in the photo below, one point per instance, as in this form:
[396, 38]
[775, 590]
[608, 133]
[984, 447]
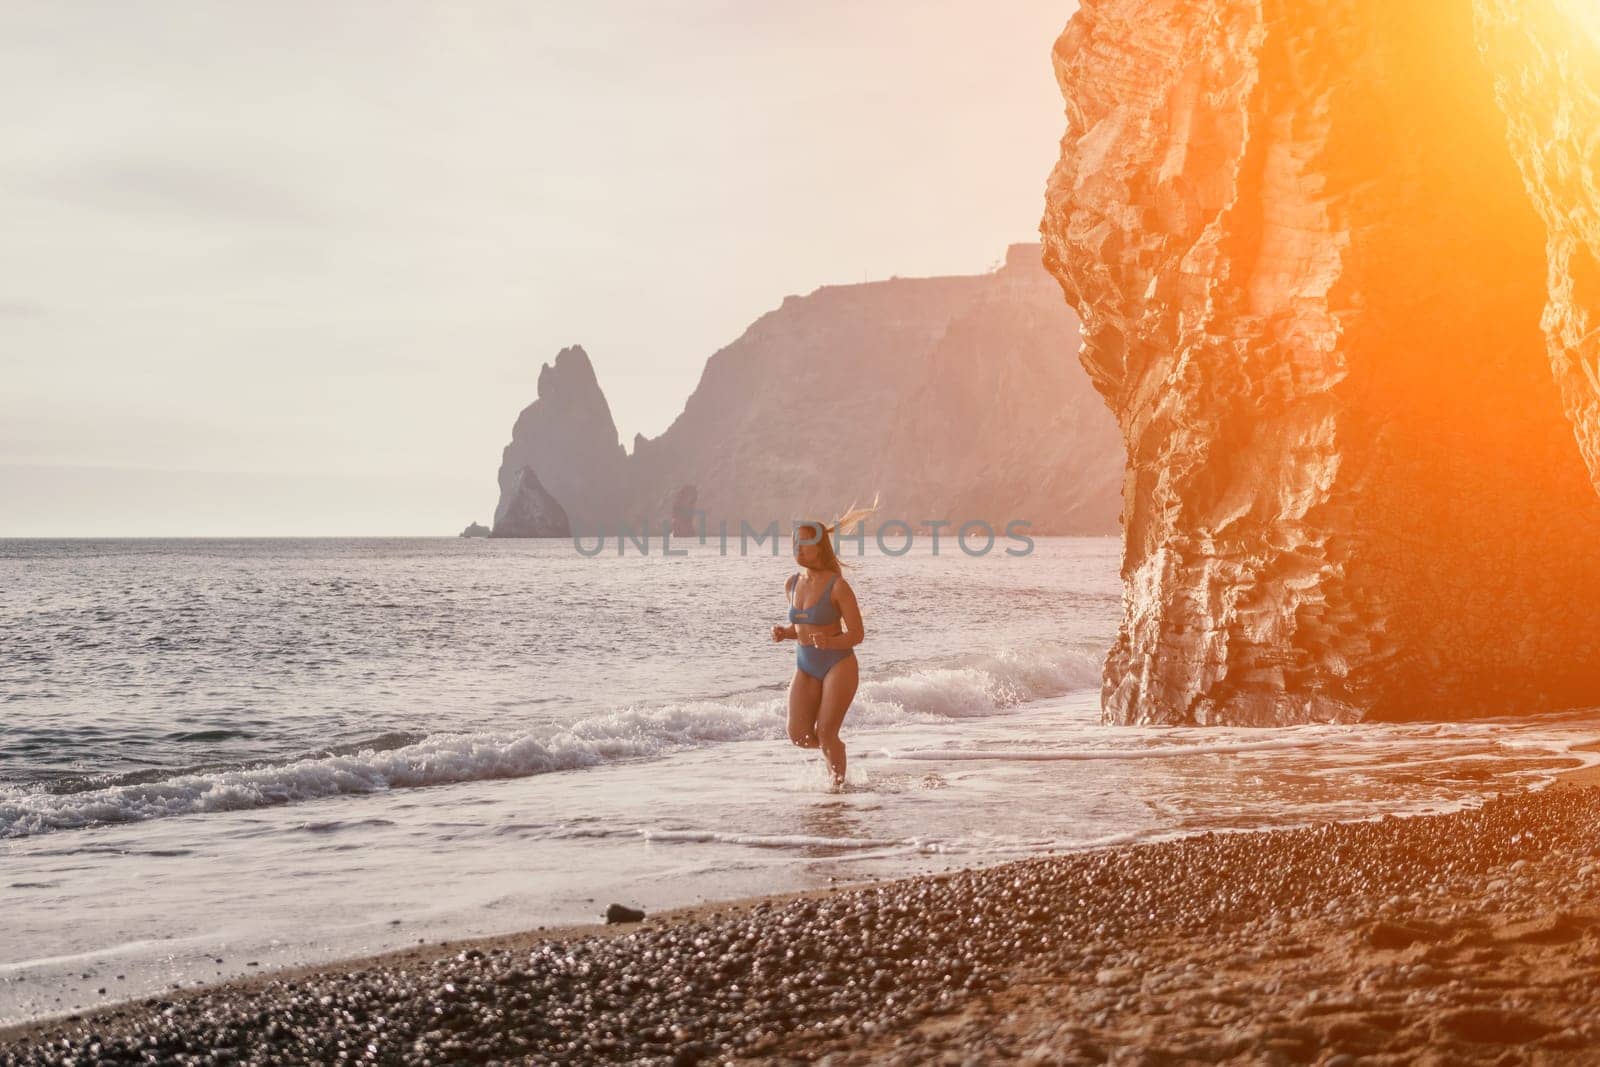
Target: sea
[224, 757]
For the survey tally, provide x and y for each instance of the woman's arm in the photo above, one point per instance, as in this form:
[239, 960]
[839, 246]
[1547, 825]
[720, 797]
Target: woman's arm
[786, 633]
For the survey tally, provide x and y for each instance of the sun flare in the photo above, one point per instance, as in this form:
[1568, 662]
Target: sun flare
[1583, 14]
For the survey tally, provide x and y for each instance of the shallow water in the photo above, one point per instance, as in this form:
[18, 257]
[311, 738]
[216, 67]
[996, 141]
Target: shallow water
[226, 753]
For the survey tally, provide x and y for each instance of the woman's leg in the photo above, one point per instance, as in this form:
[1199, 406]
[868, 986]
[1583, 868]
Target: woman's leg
[838, 690]
[805, 696]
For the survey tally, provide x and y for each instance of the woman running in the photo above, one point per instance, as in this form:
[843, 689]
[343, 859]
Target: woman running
[827, 627]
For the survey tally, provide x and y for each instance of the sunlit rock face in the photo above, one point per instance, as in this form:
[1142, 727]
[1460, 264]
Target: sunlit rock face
[1544, 56]
[1310, 281]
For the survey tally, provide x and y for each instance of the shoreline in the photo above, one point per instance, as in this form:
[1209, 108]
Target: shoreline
[980, 983]
[1580, 776]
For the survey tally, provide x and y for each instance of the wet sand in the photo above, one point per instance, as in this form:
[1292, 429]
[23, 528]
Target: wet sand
[1472, 937]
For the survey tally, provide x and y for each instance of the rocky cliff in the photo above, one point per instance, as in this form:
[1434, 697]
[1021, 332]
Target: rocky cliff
[1544, 57]
[956, 398]
[564, 465]
[1311, 280]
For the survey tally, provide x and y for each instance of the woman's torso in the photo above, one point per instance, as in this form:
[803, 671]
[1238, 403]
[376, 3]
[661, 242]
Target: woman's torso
[822, 615]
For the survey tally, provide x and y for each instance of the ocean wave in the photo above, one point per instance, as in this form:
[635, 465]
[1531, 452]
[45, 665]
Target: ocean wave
[983, 685]
[980, 686]
[85, 783]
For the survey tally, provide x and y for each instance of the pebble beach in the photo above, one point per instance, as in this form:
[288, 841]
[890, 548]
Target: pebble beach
[1467, 937]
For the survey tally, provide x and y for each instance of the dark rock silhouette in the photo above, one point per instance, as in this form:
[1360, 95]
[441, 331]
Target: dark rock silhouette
[957, 398]
[1311, 282]
[475, 530]
[683, 512]
[528, 510]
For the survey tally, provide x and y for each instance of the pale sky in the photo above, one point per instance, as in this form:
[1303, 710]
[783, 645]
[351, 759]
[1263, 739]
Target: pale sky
[272, 268]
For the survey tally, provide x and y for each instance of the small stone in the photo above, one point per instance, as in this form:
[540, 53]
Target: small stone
[621, 913]
[1390, 935]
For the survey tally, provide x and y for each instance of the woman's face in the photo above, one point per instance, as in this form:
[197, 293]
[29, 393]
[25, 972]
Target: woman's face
[807, 551]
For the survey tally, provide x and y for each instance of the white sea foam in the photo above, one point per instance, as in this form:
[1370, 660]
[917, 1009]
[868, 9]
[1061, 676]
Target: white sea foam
[1152, 752]
[863, 844]
[1371, 745]
[974, 845]
[766, 840]
[922, 695]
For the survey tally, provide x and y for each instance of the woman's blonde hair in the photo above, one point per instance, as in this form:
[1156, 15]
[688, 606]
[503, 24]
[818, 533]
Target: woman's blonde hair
[830, 560]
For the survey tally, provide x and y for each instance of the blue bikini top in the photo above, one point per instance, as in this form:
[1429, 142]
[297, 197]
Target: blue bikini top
[822, 613]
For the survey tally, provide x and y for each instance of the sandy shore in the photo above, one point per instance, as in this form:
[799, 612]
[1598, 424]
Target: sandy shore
[1472, 937]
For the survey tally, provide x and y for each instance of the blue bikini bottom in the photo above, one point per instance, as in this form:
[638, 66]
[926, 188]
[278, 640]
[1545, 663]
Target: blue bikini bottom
[818, 661]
